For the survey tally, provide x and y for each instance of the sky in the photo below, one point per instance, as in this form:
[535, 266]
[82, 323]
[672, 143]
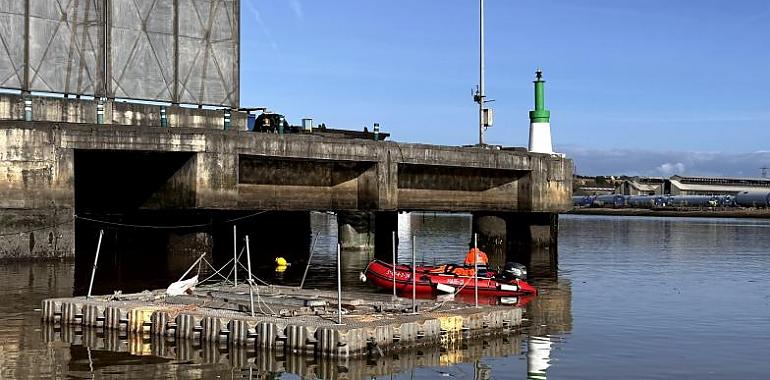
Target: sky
[653, 87]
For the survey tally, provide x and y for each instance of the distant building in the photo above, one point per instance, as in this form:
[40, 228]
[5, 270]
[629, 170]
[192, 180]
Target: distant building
[641, 186]
[681, 185]
[583, 185]
[594, 190]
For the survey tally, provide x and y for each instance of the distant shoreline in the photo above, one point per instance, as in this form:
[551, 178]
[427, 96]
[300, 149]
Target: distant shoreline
[704, 213]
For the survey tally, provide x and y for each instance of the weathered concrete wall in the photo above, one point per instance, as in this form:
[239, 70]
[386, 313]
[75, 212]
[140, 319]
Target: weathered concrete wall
[36, 172]
[240, 170]
[236, 170]
[36, 233]
[36, 195]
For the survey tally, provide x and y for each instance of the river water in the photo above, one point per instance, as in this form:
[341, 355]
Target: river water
[635, 297]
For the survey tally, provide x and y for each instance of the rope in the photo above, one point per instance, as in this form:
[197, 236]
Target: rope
[140, 225]
[228, 221]
[216, 272]
[37, 229]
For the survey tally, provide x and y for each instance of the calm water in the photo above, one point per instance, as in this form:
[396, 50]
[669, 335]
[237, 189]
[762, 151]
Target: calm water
[646, 298]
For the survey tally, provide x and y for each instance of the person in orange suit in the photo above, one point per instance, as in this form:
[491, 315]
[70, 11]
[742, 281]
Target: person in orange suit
[478, 256]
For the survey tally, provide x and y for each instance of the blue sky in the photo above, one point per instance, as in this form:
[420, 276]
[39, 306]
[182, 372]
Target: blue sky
[652, 86]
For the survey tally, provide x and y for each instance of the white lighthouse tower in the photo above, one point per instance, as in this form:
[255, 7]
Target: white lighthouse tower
[539, 120]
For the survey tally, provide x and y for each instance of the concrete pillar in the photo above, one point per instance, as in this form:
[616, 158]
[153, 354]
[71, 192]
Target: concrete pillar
[492, 237]
[385, 222]
[527, 238]
[367, 230]
[356, 230]
[532, 241]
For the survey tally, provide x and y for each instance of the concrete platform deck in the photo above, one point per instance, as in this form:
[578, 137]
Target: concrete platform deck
[286, 319]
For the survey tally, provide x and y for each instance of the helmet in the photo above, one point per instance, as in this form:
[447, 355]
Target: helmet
[515, 270]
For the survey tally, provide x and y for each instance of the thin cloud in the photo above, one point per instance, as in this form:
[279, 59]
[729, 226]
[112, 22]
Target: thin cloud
[296, 7]
[260, 22]
[638, 162]
[669, 169]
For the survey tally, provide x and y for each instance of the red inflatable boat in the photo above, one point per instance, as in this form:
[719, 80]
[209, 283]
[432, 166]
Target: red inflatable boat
[445, 279]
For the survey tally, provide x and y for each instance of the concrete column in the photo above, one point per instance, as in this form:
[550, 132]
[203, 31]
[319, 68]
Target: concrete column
[356, 230]
[492, 237]
[385, 222]
[527, 238]
[532, 241]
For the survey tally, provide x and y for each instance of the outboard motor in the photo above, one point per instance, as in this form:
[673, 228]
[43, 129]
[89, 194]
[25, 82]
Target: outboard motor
[515, 270]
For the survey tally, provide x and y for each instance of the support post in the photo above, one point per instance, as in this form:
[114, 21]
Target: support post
[27, 106]
[476, 269]
[251, 282]
[235, 254]
[100, 111]
[163, 117]
[393, 262]
[339, 287]
[228, 118]
[414, 275]
[96, 260]
[307, 267]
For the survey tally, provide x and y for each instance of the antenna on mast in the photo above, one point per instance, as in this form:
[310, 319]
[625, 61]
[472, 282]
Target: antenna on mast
[485, 114]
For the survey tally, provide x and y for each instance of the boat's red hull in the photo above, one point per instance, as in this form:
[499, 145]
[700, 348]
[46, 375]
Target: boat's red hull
[381, 275]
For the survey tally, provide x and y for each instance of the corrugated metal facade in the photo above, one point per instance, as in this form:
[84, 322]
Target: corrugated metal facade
[179, 51]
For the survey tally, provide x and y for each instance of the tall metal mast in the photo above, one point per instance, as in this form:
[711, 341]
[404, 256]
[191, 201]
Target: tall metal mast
[480, 96]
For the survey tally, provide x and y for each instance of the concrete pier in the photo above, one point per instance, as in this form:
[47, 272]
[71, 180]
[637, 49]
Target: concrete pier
[287, 320]
[58, 170]
[356, 230]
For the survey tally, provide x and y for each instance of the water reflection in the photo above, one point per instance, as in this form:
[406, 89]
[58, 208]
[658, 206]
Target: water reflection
[93, 352]
[32, 351]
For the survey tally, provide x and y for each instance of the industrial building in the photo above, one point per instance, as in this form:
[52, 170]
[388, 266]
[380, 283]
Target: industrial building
[641, 186]
[681, 185]
[690, 185]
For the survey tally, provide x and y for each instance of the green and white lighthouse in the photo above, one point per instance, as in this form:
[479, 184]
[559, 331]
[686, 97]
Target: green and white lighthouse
[539, 120]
